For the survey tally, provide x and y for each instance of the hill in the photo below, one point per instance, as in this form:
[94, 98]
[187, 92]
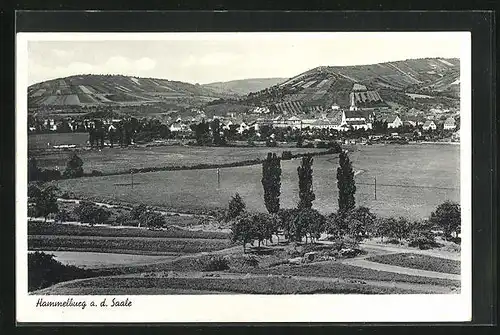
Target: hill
[91, 90]
[244, 86]
[412, 83]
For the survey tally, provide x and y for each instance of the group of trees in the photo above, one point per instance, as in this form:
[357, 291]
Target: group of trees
[209, 133]
[74, 169]
[305, 222]
[44, 203]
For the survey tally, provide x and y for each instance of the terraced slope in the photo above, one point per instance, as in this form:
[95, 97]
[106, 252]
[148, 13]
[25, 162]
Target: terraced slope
[369, 85]
[113, 90]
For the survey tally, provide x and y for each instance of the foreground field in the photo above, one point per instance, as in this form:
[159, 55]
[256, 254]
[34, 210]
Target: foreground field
[122, 159]
[421, 262]
[411, 181]
[260, 285]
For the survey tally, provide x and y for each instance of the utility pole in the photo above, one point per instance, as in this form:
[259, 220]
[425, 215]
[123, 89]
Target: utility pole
[375, 188]
[218, 177]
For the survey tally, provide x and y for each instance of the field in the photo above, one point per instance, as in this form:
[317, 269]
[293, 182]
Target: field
[123, 159]
[421, 262]
[39, 141]
[412, 180]
[126, 245]
[96, 260]
[241, 285]
[39, 228]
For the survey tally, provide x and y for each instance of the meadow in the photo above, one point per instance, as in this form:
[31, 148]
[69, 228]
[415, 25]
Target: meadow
[269, 285]
[111, 160]
[421, 262]
[40, 141]
[412, 180]
[126, 245]
[40, 228]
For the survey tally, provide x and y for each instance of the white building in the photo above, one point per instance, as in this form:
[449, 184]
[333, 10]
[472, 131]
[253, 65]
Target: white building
[179, 127]
[449, 124]
[394, 121]
[429, 125]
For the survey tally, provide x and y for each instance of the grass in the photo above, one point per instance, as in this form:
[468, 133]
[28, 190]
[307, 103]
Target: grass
[194, 191]
[39, 141]
[131, 245]
[40, 228]
[421, 262]
[112, 160]
[338, 270]
[246, 285]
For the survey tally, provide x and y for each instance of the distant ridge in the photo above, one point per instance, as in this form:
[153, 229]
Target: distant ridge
[244, 86]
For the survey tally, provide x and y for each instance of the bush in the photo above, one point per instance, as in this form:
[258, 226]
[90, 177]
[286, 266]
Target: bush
[422, 242]
[251, 260]
[62, 216]
[215, 263]
[286, 155]
[271, 143]
[345, 243]
[322, 145]
[44, 271]
[88, 212]
[96, 173]
[48, 174]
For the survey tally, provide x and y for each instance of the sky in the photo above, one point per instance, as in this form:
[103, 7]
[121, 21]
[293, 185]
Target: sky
[205, 58]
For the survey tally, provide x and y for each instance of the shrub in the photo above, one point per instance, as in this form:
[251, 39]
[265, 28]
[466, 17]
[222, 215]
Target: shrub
[251, 260]
[49, 174]
[215, 263]
[62, 216]
[88, 212]
[271, 143]
[322, 145]
[44, 271]
[345, 243]
[286, 155]
[96, 173]
[422, 242]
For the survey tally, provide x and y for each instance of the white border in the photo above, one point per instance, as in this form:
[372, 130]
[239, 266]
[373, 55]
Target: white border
[244, 308]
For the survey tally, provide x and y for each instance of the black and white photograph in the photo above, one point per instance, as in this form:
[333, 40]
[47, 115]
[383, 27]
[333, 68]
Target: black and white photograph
[214, 173]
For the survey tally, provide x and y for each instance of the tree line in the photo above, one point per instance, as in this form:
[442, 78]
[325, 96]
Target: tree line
[305, 222]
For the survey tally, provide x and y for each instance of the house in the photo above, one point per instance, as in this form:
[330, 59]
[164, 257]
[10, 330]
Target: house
[358, 119]
[242, 127]
[394, 121]
[356, 125]
[449, 124]
[429, 125]
[227, 125]
[282, 122]
[179, 127]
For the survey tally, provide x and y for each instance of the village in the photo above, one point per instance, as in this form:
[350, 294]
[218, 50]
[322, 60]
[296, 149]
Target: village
[263, 123]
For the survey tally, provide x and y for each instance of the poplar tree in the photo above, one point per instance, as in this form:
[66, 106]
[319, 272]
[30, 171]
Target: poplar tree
[306, 194]
[271, 182]
[346, 184]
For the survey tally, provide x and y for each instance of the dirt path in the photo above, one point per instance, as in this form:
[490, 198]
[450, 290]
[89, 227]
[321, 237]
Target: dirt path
[395, 249]
[399, 269]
